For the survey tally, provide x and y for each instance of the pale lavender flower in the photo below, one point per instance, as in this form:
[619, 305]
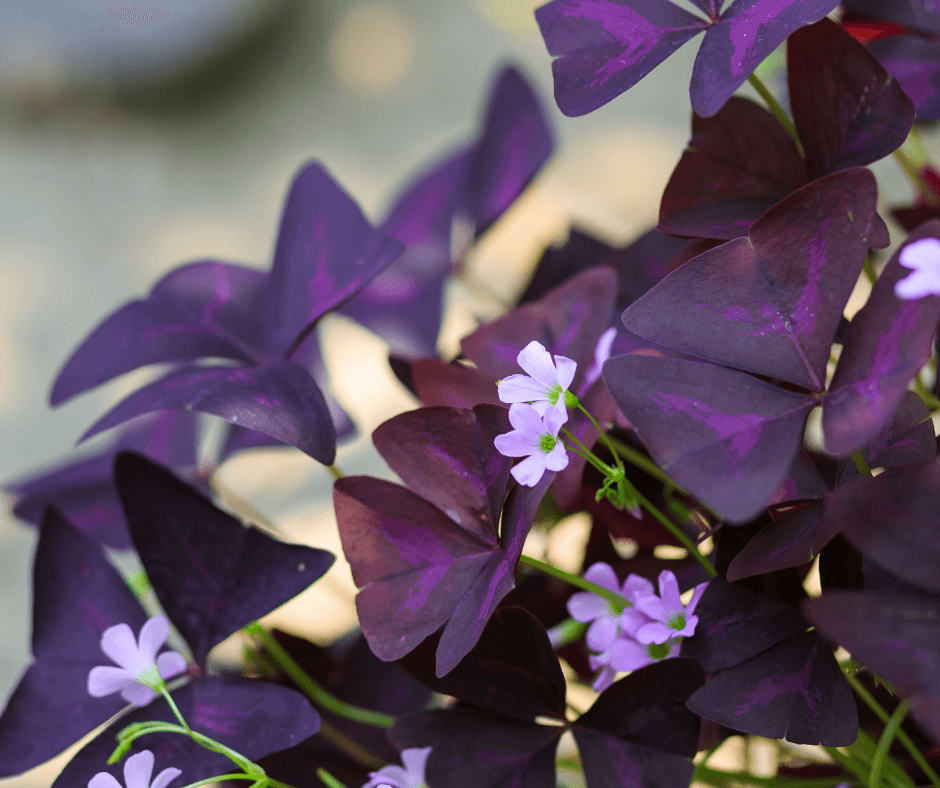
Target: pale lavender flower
[670, 619]
[412, 776]
[137, 771]
[586, 606]
[601, 354]
[628, 654]
[536, 438]
[546, 382]
[141, 671]
[923, 257]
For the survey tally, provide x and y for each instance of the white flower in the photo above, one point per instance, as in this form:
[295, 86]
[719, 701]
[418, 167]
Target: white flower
[141, 671]
[923, 257]
[670, 618]
[137, 771]
[548, 382]
[412, 776]
[536, 439]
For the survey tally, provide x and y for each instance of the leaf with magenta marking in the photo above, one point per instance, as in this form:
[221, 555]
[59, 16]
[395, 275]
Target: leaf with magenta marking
[770, 303]
[211, 574]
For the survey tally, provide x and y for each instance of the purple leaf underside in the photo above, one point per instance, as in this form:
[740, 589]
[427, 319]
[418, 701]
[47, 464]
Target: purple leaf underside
[915, 63]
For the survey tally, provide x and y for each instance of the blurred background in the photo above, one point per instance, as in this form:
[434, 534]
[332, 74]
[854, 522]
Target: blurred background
[134, 139]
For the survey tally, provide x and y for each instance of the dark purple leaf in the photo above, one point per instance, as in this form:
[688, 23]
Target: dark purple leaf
[889, 340]
[83, 488]
[326, 252]
[735, 624]
[512, 670]
[923, 16]
[417, 568]
[771, 303]
[447, 456]
[211, 574]
[639, 732]
[452, 384]
[897, 637]
[726, 437]
[847, 110]
[254, 718]
[138, 334]
[794, 690]
[604, 48]
[894, 519]
[473, 748]
[738, 164]
[280, 399]
[747, 32]
[803, 483]
[915, 63]
[77, 595]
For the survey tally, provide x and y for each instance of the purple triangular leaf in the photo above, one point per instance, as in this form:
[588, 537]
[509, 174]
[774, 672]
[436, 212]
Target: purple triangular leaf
[211, 574]
[280, 399]
[889, 340]
[898, 637]
[603, 48]
[803, 483]
[456, 385]
[512, 670]
[794, 690]
[137, 334]
[747, 32]
[915, 63]
[254, 718]
[738, 164]
[447, 456]
[770, 303]
[326, 252]
[514, 143]
[735, 624]
[893, 520]
[726, 437]
[847, 110]
[77, 594]
[474, 747]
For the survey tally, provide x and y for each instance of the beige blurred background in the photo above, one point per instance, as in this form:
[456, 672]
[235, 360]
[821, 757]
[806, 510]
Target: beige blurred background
[133, 140]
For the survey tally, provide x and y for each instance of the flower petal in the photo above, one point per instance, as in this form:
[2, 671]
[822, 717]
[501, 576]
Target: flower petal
[585, 606]
[138, 694]
[604, 679]
[602, 633]
[603, 575]
[137, 770]
[530, 470]
[104, 780]
[520, 388]
[153, 635]
[537, 362]
[555, 417]
[515, 444]
[626, 655]
[565, 369]
[526, 419]
[653, 607]
[689, 629]
[166, 776]
[171, 664]
[631, 620]
[637, 586]
[415, 760]
[696, 596]
[118, 642]
[557, 458]
[654, 632]
[389, 775]
[107, 679]
[669, 590]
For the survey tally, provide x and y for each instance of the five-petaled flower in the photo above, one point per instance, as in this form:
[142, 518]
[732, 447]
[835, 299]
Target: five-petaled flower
[411, 776]
[546, 383]
[923, 257]
[669, 617]
[536, 438]
[141, 671]
[137, 771]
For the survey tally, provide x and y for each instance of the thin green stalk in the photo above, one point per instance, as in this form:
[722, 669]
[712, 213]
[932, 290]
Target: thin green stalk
[677, 532]
[902, 737]
[603, 436]
[174, 708]
[720, 778]
[335, 471]
[925, 394]
[316, 693]
[585, 452]
[328, 779]
[778, 112]
[616, 600]
[869, 268]
[125, 742]
[354, 750]
[860, 464]
[220, 778]
[913, 173]
[884, 744]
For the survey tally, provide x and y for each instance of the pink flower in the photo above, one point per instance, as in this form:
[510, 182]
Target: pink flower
[670, 619]
[923, 257]
[546, 382]
[137, 771]
[536, 439]
[412, 776]
[141, 671]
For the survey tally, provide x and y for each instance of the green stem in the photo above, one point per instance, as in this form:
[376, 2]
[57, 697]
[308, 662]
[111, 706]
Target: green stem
[585, 452]
[618, 602]
[778, 112]
[677, 532]
[913, 173]
[925, 394]
[174, 708]
[603, 435]
[351, 748]
[902, 737]
[720, 778]
[869, 269]
[328, 779]
[335, 471]
[220, 778]
[860, 464]
[884, 744]
[247, 766]
[316, 693]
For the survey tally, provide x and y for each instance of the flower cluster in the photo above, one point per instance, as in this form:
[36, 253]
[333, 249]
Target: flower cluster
[649, 629]
[137, 771]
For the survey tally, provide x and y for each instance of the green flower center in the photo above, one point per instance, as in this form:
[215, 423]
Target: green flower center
[677, 622]
[150, 677]
[547, 442]
[659, 650]
[553, 393]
